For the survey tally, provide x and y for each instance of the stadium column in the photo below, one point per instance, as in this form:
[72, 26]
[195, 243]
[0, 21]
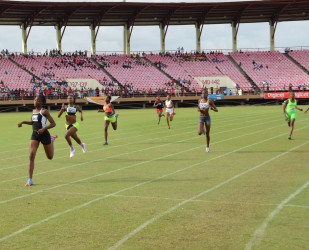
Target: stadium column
[198, 37]
[272, 35]
[126, 39]
[234, 36]
[59, 39]
[162, 38]
[93, 40]
[24, 38]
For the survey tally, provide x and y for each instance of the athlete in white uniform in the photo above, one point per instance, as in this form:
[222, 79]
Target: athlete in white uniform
[170, 110]
[203, 107]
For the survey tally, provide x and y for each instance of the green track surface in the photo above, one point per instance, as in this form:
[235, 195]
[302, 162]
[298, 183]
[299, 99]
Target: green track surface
[154, 188]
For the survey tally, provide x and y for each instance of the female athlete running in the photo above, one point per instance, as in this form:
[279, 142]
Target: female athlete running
[170, 110]
[71, 124]
[110, 116]
[159, 105]
[289, 111]
[40, 133]
[204, 120]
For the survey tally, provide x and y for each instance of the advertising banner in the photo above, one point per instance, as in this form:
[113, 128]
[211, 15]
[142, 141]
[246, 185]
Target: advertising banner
[218, 81]
[286, 95]
[99, 100]
[83, 83]
[215, 97]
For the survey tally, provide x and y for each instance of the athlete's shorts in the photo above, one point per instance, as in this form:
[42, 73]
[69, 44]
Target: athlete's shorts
[43, 138]
[111, 119]
[291, 116]
[169, 111]
[205, 120]
[159, 110]
[76, 125]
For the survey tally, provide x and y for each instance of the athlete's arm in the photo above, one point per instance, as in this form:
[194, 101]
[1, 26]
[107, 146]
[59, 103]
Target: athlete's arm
[213, 106]
[284, 109]
[299, 109]
[81, 113]
[198, 106]
[155, 104]
[306, 111]
[61, 110]
[24, 122]
[113, 110]
[51, 122]
[101, 110]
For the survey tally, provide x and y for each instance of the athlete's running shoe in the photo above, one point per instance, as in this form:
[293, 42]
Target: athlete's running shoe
[84, 148]
[290, 138]
[72, 153]
[207, 149]
[105, 143]
[53, 137]
[29, 183]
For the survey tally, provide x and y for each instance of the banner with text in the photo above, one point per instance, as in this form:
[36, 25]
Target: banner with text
[286, 95]
[99, 100]
[83, 83]
[217, 81]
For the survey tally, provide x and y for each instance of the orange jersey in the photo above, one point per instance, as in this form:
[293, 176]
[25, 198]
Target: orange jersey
[107, 108]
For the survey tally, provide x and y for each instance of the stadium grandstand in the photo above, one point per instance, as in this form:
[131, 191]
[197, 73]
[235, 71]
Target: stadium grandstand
[238, 72]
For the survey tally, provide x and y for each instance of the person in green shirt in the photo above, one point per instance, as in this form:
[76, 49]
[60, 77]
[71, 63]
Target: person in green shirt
[289, 110]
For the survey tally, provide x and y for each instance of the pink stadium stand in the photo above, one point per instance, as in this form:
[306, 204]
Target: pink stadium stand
[188, 70]
[141, 76]
[47, 65]
[277, 68]
[301, 56]
[13, 76]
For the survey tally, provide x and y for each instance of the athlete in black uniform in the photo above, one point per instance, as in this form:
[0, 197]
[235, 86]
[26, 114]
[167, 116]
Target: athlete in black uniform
[159, 105]
[40, 133]
[71, 124]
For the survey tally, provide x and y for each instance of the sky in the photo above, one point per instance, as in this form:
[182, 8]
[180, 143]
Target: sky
[147, 38]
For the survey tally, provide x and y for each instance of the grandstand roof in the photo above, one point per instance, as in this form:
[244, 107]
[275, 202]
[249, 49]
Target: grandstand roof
[119, 13]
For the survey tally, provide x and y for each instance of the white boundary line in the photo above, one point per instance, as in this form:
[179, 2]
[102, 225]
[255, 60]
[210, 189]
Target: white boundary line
[259, 233]
[149, 181]
[147, 223]
[130, 166]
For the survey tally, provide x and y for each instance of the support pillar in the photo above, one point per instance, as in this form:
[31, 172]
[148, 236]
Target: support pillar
[272, 35]
[17, 109]
[126, 39]
[198, 37]
[24, 39]
[144, 105]
[176, 105]
[59, 38]
[93, 41]
[234, 36]
[162, 38]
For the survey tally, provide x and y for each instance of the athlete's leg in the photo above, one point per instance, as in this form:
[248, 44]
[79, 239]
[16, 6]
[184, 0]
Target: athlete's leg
[160, 115]
[34, 145]
[49, 150]
[106, 129]
[72, 130]
[207, 135]
[201, 129]
[167, 120]
[114, 124]
[292, 127]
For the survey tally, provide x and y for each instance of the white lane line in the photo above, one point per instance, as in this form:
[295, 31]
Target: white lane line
[155, 179]
[194, 138]
[259, 233]
[116, 139]
[134, 165]
[133, 129]
[147, 223]
[155, 198]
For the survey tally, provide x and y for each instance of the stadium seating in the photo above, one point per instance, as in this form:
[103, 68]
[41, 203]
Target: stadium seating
[13, 76]
[188, 70]
[60, 68]
[135, 70]
[302, 57]
[271, 67]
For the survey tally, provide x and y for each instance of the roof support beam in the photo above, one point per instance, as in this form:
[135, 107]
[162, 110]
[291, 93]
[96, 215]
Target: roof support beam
[199, 28]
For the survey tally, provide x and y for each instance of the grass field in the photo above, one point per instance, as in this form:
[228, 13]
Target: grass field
[152, 188]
